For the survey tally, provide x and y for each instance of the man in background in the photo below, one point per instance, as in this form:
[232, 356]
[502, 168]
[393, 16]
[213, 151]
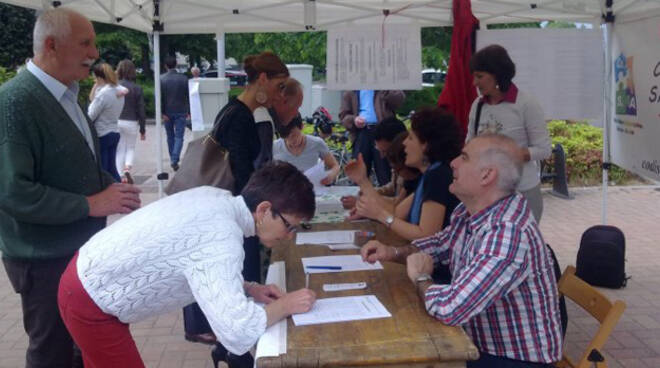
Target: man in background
[361, 111]
[175, 108]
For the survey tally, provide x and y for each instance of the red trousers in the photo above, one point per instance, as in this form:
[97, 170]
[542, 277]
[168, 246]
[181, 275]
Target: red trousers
[103, 340]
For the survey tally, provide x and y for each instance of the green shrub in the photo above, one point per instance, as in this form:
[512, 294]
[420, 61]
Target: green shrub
[85, 86]
[583, 145]
[149, 99]
[5, 75]
[427, 96]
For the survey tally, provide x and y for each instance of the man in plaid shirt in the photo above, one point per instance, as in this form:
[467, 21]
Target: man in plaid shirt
[503, 289]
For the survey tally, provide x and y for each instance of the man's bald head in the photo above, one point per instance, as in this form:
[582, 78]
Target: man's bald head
[287, 106]
[64, 45]
[500, 152]
[54, 23]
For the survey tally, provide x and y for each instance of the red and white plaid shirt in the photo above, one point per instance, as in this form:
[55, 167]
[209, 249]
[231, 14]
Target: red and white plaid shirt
[503, 289]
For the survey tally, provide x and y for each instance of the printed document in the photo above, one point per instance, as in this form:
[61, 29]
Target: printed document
[347, 308]
[344, 263]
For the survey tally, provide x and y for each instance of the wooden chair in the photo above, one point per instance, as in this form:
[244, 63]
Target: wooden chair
[600, 307]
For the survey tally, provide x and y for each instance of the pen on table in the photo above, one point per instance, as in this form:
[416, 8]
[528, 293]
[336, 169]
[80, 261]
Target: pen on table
[306, 280]
[323, 267]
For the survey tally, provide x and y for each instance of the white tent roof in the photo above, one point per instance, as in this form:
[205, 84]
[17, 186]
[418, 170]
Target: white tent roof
[209, 16]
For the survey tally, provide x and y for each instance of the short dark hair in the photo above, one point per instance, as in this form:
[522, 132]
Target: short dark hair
[439, 130]
[494, 59]
[388, 129]
[285, 130]
[284, 186]
[266, 62]
[170, 62]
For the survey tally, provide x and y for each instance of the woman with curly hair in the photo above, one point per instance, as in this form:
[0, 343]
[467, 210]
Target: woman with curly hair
[432, 143]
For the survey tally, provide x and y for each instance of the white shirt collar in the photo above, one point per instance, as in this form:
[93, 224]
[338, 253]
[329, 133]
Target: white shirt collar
[55, 87]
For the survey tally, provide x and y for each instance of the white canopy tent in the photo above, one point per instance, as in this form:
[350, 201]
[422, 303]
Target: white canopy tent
[208, 16]
[235, 16]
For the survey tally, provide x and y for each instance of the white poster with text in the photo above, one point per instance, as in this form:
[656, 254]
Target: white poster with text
[374, 57]
[635, 128]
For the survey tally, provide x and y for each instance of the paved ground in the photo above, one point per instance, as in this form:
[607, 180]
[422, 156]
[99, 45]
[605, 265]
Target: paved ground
[634, 343]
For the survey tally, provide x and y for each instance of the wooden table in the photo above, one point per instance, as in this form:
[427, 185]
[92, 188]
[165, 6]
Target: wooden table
[410, 338]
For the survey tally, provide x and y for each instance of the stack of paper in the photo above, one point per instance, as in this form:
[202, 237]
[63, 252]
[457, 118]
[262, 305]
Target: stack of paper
[273, 341]
[347, 308]
[340, 239]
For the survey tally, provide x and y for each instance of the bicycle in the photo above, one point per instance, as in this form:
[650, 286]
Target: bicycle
[342, 154]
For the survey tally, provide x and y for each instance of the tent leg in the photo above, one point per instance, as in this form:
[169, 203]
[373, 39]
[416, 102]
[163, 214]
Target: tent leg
[159, 114]
[220, 42]
[607, 124]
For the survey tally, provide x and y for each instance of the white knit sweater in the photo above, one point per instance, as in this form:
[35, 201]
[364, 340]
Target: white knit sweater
[184, 248]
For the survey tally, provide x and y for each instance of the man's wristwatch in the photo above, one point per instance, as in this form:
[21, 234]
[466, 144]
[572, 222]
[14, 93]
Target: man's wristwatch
[423, 277]
[389, 220]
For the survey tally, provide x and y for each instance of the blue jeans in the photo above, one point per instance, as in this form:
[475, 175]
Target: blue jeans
[175, 128]
[108, 147]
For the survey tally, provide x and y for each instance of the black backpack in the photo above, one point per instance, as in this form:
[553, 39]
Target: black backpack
[601, 257]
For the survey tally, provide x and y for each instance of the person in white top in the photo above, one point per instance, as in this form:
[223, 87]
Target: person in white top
[107, 98]
[183, 248]
[503, 109]
[304, 150]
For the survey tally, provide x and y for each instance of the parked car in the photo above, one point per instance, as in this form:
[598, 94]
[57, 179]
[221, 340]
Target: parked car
[236, 77]
[431, 77]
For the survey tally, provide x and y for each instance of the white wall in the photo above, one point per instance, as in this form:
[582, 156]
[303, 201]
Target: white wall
[303, 73]
[330, 99]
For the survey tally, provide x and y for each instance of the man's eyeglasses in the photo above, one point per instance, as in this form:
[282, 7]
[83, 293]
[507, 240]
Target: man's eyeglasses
[290, 228]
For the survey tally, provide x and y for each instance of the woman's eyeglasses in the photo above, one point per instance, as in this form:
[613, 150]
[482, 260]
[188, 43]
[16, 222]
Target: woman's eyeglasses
[290, 228]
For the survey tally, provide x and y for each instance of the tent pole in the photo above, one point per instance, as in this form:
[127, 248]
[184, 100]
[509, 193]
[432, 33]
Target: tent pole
[608, 122]
[159, 113]
[220, 44]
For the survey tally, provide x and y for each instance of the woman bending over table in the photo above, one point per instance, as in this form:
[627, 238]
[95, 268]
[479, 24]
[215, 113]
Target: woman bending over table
[183, 248]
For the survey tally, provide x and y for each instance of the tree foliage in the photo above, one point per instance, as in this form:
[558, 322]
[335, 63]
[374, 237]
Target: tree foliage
[15, 35]
[436, 43]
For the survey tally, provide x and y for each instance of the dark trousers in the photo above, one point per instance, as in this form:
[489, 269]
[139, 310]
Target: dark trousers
[194, 321]
[49, 342]
[175, 128]
[108, 147]
[493, 361]
[366, 145]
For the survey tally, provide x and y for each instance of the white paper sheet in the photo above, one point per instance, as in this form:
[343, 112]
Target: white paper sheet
[315, 174]
[196, 114]
[326, 237]
[347, 308]
[351, 262]
[342, 246]
[273, 341]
